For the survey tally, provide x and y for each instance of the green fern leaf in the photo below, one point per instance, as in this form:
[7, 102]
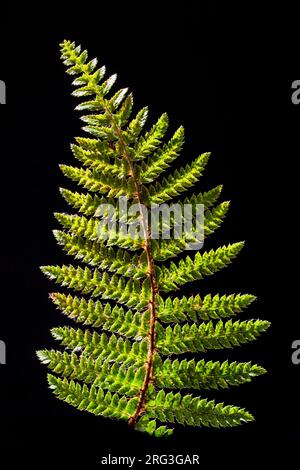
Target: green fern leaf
[195, 411]
[202, 265]
[180, 181]
[162, 159]
[112, 348]
[194, 338]
[106, 258]
[115, 363]
[165, 249]
[87, 204]
[90, 229]
[204, 375]
[94, 313]
[94, 399]
[194, 308]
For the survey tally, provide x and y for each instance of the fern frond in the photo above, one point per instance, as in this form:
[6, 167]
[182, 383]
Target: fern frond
[131, 293]
[91, 229]
[93, 399]
[180, 181]
[102, 347]
[97, 181]
[215, 217]
[100, 163]
[121, 371]
[95, 254]
[162, 159]
[94, 313]
[136, 126]
[194, 338]
[196, 411]
[126, 380]
[194, 308]
[87, 204]
[152, 139]
[204, 375]
[189, 269]
[100, 149]
[123, 115]
[208, 198]
[169, 248]
[88, 312]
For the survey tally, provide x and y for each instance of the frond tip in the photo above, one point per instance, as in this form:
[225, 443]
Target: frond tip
[122, 360]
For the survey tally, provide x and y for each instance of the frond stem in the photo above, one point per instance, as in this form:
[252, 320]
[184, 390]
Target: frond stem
[152, 305]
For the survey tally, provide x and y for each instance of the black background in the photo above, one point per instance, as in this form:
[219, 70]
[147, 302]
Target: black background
[226, 75]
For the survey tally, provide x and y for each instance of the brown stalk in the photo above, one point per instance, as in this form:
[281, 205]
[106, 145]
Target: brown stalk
[152, 305]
